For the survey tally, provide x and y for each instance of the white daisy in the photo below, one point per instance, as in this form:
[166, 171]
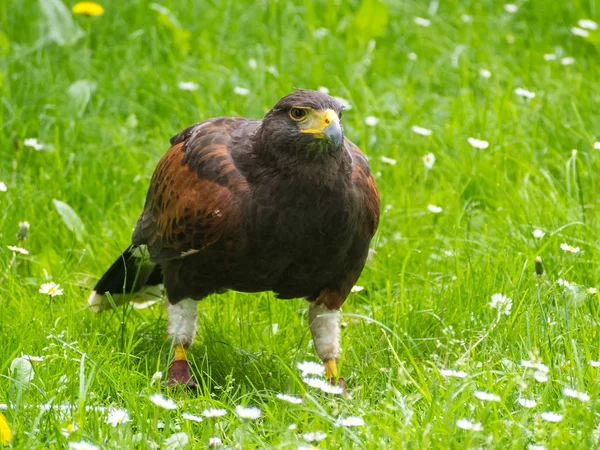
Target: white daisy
[420, 130]
[371, 121]
[522, 92]
[466, 424]
[310, 368]
[82, 445]
[188, 86]
[117, 416]
[595, 363]
[324, 386]
[422, 22]
[535, 365]
[502, 303]
[320, 33]
[356, 289]
[273, 71]
[252, 63]
[579, 32]
[527, 403]
[535, 447]
[214, 442]
[314, 436]
[412, 56]
[565, 283]
[52, 289]
[587, 24]
[453, 373]
[567, 61]
[351, 421]
[550, 416]
[214, 412]
[241, 91]
[511, 8]
[33, 143]
[69, 429]
[466, 18]
[569, 248]
[289, 399]
[191, 417]
[538, 234]
[250, 413]
[540, 377]
[156, 377]
[597, 145]
[3, 187]
[387, 160]
[429, 160]
[478, 143]
[549, 57]
[592, 291]
[162, 401]
[434, 209]
[20, 250]
[32, 358]
[581, 396]
[177, 440]
[484, 73]
[323, 90]
[486, 396]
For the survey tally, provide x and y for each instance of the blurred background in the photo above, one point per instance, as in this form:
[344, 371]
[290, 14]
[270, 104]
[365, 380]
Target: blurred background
[480, 121]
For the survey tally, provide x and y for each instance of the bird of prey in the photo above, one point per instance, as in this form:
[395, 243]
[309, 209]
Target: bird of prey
[284, 204]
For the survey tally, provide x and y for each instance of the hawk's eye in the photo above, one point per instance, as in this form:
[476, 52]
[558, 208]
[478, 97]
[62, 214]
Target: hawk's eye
[298, 113]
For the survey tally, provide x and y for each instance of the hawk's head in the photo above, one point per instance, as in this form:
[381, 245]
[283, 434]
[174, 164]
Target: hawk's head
[305, 121]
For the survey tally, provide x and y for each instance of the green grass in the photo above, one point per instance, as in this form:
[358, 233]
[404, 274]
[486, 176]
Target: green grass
[424, 306]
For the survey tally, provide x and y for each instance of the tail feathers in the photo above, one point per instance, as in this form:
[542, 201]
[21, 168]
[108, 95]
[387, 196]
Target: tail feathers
[131, 278]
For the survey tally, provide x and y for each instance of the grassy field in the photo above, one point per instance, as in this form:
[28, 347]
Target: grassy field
[102, 95]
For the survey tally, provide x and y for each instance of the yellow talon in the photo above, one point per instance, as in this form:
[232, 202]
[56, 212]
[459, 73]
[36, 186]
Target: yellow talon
[331, 368]
[180, 353]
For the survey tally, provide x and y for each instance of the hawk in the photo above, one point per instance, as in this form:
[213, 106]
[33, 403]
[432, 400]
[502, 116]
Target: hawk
[284, 204]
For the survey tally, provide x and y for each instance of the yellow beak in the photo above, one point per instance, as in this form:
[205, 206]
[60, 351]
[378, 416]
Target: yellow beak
[324, 125]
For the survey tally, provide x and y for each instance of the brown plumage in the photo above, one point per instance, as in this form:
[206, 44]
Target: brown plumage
[284, 204]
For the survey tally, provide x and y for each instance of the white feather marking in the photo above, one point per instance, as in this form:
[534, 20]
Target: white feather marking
[143, 298]
[182, 319]
[324, 325]
[141, 251]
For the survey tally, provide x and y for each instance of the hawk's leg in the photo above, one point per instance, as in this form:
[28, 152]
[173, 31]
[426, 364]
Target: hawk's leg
[323, 317]
[182, 318]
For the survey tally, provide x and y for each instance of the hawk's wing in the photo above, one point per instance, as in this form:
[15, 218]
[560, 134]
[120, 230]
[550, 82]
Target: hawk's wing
[364, 184]
[194, 194]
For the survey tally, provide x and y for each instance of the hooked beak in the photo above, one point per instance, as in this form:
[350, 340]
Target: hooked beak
[325, 125]
[333, 132]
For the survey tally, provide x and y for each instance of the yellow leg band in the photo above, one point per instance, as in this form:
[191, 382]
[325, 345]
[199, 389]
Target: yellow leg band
[331, 368]
[180, 353]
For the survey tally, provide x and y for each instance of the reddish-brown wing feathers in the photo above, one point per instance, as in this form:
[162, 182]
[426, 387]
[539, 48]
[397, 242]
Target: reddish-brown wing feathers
[191, 200]
[365, 186]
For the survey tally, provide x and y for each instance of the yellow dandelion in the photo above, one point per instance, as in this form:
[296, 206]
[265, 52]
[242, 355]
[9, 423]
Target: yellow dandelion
[5, 433]
[89, 9]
